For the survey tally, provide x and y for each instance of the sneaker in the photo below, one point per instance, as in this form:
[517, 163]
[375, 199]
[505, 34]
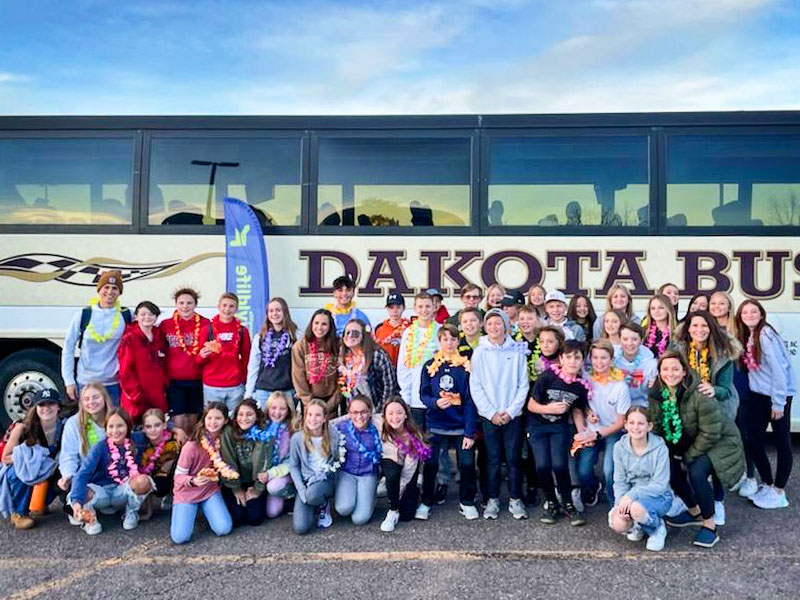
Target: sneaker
[22, 521]
[531, 498]
[423, 512]
[761, 491]
[517, 509]
[131, 520]
[93, 528]
[685, 519]
[575, 516]
[748, 488]
[655, 541]
[719, 513]
[74, 520]
[470, 512]
[549, 512]
[577, 501]
[706, 538]
[380, 491]
[166, 503]
[440, 495]
[592, 498]
[325, 520]
[390, 522]
[771, 499]
[492, 510]
[739, 483]
[635, 533]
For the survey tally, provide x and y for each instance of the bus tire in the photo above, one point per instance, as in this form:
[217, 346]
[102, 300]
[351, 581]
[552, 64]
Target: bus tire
[22, 374]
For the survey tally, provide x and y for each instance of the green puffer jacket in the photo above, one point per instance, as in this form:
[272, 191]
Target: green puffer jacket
[710, 431]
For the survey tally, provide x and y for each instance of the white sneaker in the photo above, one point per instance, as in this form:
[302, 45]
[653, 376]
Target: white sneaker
[517, 508]
[762, 490]
[470, 512]
[678, 506]
[737, 486]
[423, 512]
[748, 488]
[770, 499]
[719, 513]
[325, 520]
[131, 520]
[492, 510]
[74, 521]
[390, 522]
[380, 491]
[655, 542]
[93, 528]
[577, 500]
[635, 533]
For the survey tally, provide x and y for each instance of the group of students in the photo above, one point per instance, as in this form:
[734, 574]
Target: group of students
[341, 413]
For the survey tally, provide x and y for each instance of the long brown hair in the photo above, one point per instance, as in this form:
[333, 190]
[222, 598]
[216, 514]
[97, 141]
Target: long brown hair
[719, 343]
[367, 344]
[330, 341]
[122, 414]
[32, 426]
[200, 429]
[288, 324]
[743, 331]
[387, 433]
[671, 321]
[83, 416]
[620, 314]
[326, 435]
[237, 431]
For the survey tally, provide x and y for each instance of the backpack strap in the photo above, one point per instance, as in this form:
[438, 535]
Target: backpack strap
[86, 316]
[126, 315]
[210, 331]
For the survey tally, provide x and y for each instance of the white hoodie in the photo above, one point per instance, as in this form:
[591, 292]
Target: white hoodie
[498, 380]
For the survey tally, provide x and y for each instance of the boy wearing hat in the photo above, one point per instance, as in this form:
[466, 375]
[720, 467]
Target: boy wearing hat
[471, 296]
[440, 312]
[499, 386]
[555, 305]
[96, 331]
[343, 308]
[511, 302]
[389, 332]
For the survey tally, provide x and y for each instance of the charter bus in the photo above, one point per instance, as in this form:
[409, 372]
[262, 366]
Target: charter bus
[708, 201]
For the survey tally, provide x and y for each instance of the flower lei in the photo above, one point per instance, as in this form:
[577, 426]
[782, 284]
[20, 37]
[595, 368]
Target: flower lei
[569, 379]
[333, 465]
[333, 309]
[637, 362]
[416, 448]
[151, 462]
[91, 433]
[702, 368]
[651, 340]
[212, 448]
[533, 357]
[749, 356]
[271, 435]
[456, 360]
[420, 345]
[671, 419]
[196, 344]
[351, 372]
[116, 458]
[270, 354]
[374, 455]
[613, 374]
[100, 339]
[318, 369]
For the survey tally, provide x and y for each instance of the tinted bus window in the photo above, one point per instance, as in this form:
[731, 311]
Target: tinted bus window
[421, 182]
[66, 181]
[733, 180]
[189, 178]
[573, 181]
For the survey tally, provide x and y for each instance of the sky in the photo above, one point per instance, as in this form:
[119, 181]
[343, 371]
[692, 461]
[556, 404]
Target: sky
[308, 57]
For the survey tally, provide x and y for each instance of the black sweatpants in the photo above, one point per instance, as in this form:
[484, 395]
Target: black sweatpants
[407, 503]
[759, 413]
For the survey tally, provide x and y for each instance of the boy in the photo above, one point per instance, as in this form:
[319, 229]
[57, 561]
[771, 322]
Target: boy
[224, 355]
[556, 394]
[470, 333]
[417, 346]
[343, 308]
[511, 302]
[387, 335]
[555, 305]
[637, 363]
[528, 321]
[471, 296]
[440, 312]
[499, 385]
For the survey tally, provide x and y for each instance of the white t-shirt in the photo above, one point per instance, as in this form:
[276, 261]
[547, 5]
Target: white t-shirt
[608, 401]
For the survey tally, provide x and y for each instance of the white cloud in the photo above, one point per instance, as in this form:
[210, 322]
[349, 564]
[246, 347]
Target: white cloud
[8, 77]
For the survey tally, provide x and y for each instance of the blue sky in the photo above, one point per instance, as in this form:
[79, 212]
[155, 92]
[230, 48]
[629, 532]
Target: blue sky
[387, 57]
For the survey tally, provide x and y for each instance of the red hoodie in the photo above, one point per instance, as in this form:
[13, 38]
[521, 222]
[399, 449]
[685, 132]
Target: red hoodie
[182, 365]
[142, 371]
[228, 367]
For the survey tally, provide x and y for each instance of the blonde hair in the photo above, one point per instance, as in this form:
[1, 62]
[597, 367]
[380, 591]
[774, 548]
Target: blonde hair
[326, 437]
[628, 307]
[489, 291]
[671, 320]
[730, 322]
[292, 418]
[83, 416]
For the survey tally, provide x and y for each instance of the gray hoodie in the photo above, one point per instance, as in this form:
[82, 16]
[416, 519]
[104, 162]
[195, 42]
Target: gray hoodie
[645, 476]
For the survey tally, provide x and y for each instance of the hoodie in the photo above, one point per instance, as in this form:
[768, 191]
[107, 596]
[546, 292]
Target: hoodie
[774, 376]
[499, 377]
[645, 476]
[456, 419]
[639, 373]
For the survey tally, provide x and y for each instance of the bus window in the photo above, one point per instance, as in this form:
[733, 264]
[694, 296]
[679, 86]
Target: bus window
[418, 182]
[734, 180]
[568, 181]
[66, 181]
[189, 178]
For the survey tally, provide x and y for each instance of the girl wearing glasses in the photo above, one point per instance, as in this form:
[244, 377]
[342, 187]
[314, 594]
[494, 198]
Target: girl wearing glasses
[364, 368]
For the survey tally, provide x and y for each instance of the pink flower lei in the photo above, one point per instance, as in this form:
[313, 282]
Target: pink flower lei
[749, 357]
[571, 378]
[651, 340]
[151, 463]
[415, 448]
[113, 470]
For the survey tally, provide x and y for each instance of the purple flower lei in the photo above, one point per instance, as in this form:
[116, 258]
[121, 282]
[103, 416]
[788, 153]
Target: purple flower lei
[268, 356]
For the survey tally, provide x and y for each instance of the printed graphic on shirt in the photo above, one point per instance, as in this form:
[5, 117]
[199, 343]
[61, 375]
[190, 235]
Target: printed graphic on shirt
[447, 383]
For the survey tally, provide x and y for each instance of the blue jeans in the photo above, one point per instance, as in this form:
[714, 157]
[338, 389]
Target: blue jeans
[113, 392]
[505, 439]
[113, 497]
[21, 492]
[183, 517]
[261, 397]
[355, 496]
[656, 507]
[304, 515]
[587, 460]
[231, 396]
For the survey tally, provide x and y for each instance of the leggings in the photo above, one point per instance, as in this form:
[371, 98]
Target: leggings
[692, 485]
[759, 412]
[742, 384]
[550, 445]
[405, 504]
[275, 503]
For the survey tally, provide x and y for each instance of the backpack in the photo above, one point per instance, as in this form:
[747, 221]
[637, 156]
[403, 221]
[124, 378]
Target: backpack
[86, 316]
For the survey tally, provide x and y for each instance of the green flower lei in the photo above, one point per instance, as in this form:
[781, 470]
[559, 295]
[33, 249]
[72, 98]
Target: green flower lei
[671, 419]
[533, 357]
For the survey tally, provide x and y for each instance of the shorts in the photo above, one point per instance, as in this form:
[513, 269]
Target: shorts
[185, 397]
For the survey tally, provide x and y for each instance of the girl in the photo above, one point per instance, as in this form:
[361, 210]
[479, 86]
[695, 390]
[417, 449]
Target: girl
[618, 298]
[358, 478]
[142, 364]
[109, 478]
[671, 291]
[772, 385]
[159, 454]
[403, 451]
[185, 332]
[581, 311]
[197, 475]
[613, 320]
[41, 428]
[658, 324]
[314, 362]
[702, 442]
[315, 454]
[244, 452]
[721, 307]
[636, 362]
[536, 296]
[270, 366]
[494, 296]
[551, 341]
[641, 482]
[364, 367]
[697, 303]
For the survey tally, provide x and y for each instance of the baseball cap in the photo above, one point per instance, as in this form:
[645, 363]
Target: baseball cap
[434, 292]
[46, 396]
[395, 299]
[512, 297]
[556, 296]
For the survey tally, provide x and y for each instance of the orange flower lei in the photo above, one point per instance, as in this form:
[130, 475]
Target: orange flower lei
[613, 374]
[702, 368]
[456, 360]
[196, 345]
[219, 465]
[411, 342]
[351, 371]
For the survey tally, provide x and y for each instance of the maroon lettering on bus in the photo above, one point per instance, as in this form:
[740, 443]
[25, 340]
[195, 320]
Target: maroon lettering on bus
[389, 260]
[797, 268]
[625, 268]
[693, 273]
[316, 260]
[748, 272]
[436, 258]
[573, 262]
[489, 267]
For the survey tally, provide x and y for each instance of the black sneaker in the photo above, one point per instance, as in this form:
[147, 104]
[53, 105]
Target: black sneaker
[531, 498]
[576, 519]
[592, 498]
[549, 512]
[440, 495]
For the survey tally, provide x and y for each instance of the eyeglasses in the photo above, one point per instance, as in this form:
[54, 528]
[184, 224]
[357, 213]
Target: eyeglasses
[359, 413]
[472, 297]
[355, 333]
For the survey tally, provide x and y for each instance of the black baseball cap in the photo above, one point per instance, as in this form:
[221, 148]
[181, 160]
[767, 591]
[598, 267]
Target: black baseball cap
[513, 297]
[395, 299]
[46, 396]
